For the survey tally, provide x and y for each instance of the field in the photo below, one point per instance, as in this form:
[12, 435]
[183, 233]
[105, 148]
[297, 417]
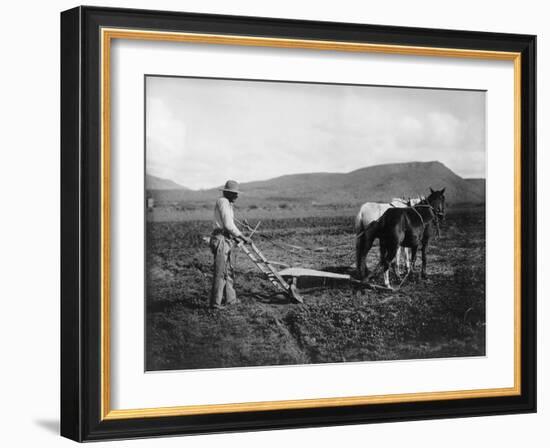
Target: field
[443, 316]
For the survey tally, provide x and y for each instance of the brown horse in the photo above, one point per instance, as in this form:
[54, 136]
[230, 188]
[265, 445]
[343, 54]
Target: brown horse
[366, 222]
[408, 227]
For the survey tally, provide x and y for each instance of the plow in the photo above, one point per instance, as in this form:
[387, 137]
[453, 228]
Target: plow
[277, 278]
[286, 279]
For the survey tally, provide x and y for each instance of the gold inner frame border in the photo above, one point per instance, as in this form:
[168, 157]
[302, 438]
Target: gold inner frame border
[107, 35]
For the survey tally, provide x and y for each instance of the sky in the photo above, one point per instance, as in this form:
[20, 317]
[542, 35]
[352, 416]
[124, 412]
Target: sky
[201, 132]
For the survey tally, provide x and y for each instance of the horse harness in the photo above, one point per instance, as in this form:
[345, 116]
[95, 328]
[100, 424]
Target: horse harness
[436, 219]
[420, 216]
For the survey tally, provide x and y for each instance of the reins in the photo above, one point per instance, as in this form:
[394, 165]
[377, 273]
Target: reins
[436, 219]
[419, 215]
[285, 246]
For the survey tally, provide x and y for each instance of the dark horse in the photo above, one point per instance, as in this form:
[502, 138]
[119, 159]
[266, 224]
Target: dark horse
[408, 227]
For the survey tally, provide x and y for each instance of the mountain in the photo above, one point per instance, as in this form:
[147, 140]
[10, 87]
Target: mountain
[379, 183]
[383, 182]
[158, 183]
[478, 185]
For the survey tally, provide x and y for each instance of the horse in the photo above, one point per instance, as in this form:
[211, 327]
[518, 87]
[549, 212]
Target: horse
[408, 227]
[365, 223]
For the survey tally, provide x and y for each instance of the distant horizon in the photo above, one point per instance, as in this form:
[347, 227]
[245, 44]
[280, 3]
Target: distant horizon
[303, 173]
[200, 131]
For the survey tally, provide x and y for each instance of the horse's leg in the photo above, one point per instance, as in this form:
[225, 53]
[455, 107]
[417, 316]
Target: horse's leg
[368, 238]
[400, 252]
[424, 248]
[379, 266]
[387, 279]
[360, 254]
[398, 257]
[381, 263]
[390, 250]
[395, 264]
[403, 257]
[407, 252]
[385, 263]
[412, 261]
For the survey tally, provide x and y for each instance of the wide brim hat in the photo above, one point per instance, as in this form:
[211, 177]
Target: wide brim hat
[231, 186]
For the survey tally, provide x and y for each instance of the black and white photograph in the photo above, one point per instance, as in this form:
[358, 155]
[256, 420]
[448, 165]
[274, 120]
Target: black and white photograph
[306, 223]
[266, 224]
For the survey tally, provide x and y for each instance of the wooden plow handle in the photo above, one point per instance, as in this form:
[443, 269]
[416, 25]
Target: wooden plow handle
[270, 271]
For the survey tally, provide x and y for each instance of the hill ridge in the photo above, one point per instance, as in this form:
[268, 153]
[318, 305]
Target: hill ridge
[379, 183]
[159, 183]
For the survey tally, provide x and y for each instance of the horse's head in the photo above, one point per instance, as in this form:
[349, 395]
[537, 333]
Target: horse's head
[437, 200]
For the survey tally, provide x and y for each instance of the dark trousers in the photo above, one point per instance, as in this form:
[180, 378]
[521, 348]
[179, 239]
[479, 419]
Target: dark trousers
[222, 283]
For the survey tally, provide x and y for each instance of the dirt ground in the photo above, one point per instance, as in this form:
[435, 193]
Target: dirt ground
[443, 316]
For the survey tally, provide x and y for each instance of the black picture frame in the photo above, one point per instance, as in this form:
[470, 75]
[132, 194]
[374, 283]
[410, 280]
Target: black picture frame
[81, 414]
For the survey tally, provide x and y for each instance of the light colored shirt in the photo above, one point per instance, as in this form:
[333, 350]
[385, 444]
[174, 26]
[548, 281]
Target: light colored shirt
[223, 217]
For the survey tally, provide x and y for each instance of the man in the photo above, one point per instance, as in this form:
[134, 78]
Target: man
[222, 243]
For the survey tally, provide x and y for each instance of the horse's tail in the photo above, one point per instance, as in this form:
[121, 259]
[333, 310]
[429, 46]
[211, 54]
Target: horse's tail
[364, 238]
[360, 258]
